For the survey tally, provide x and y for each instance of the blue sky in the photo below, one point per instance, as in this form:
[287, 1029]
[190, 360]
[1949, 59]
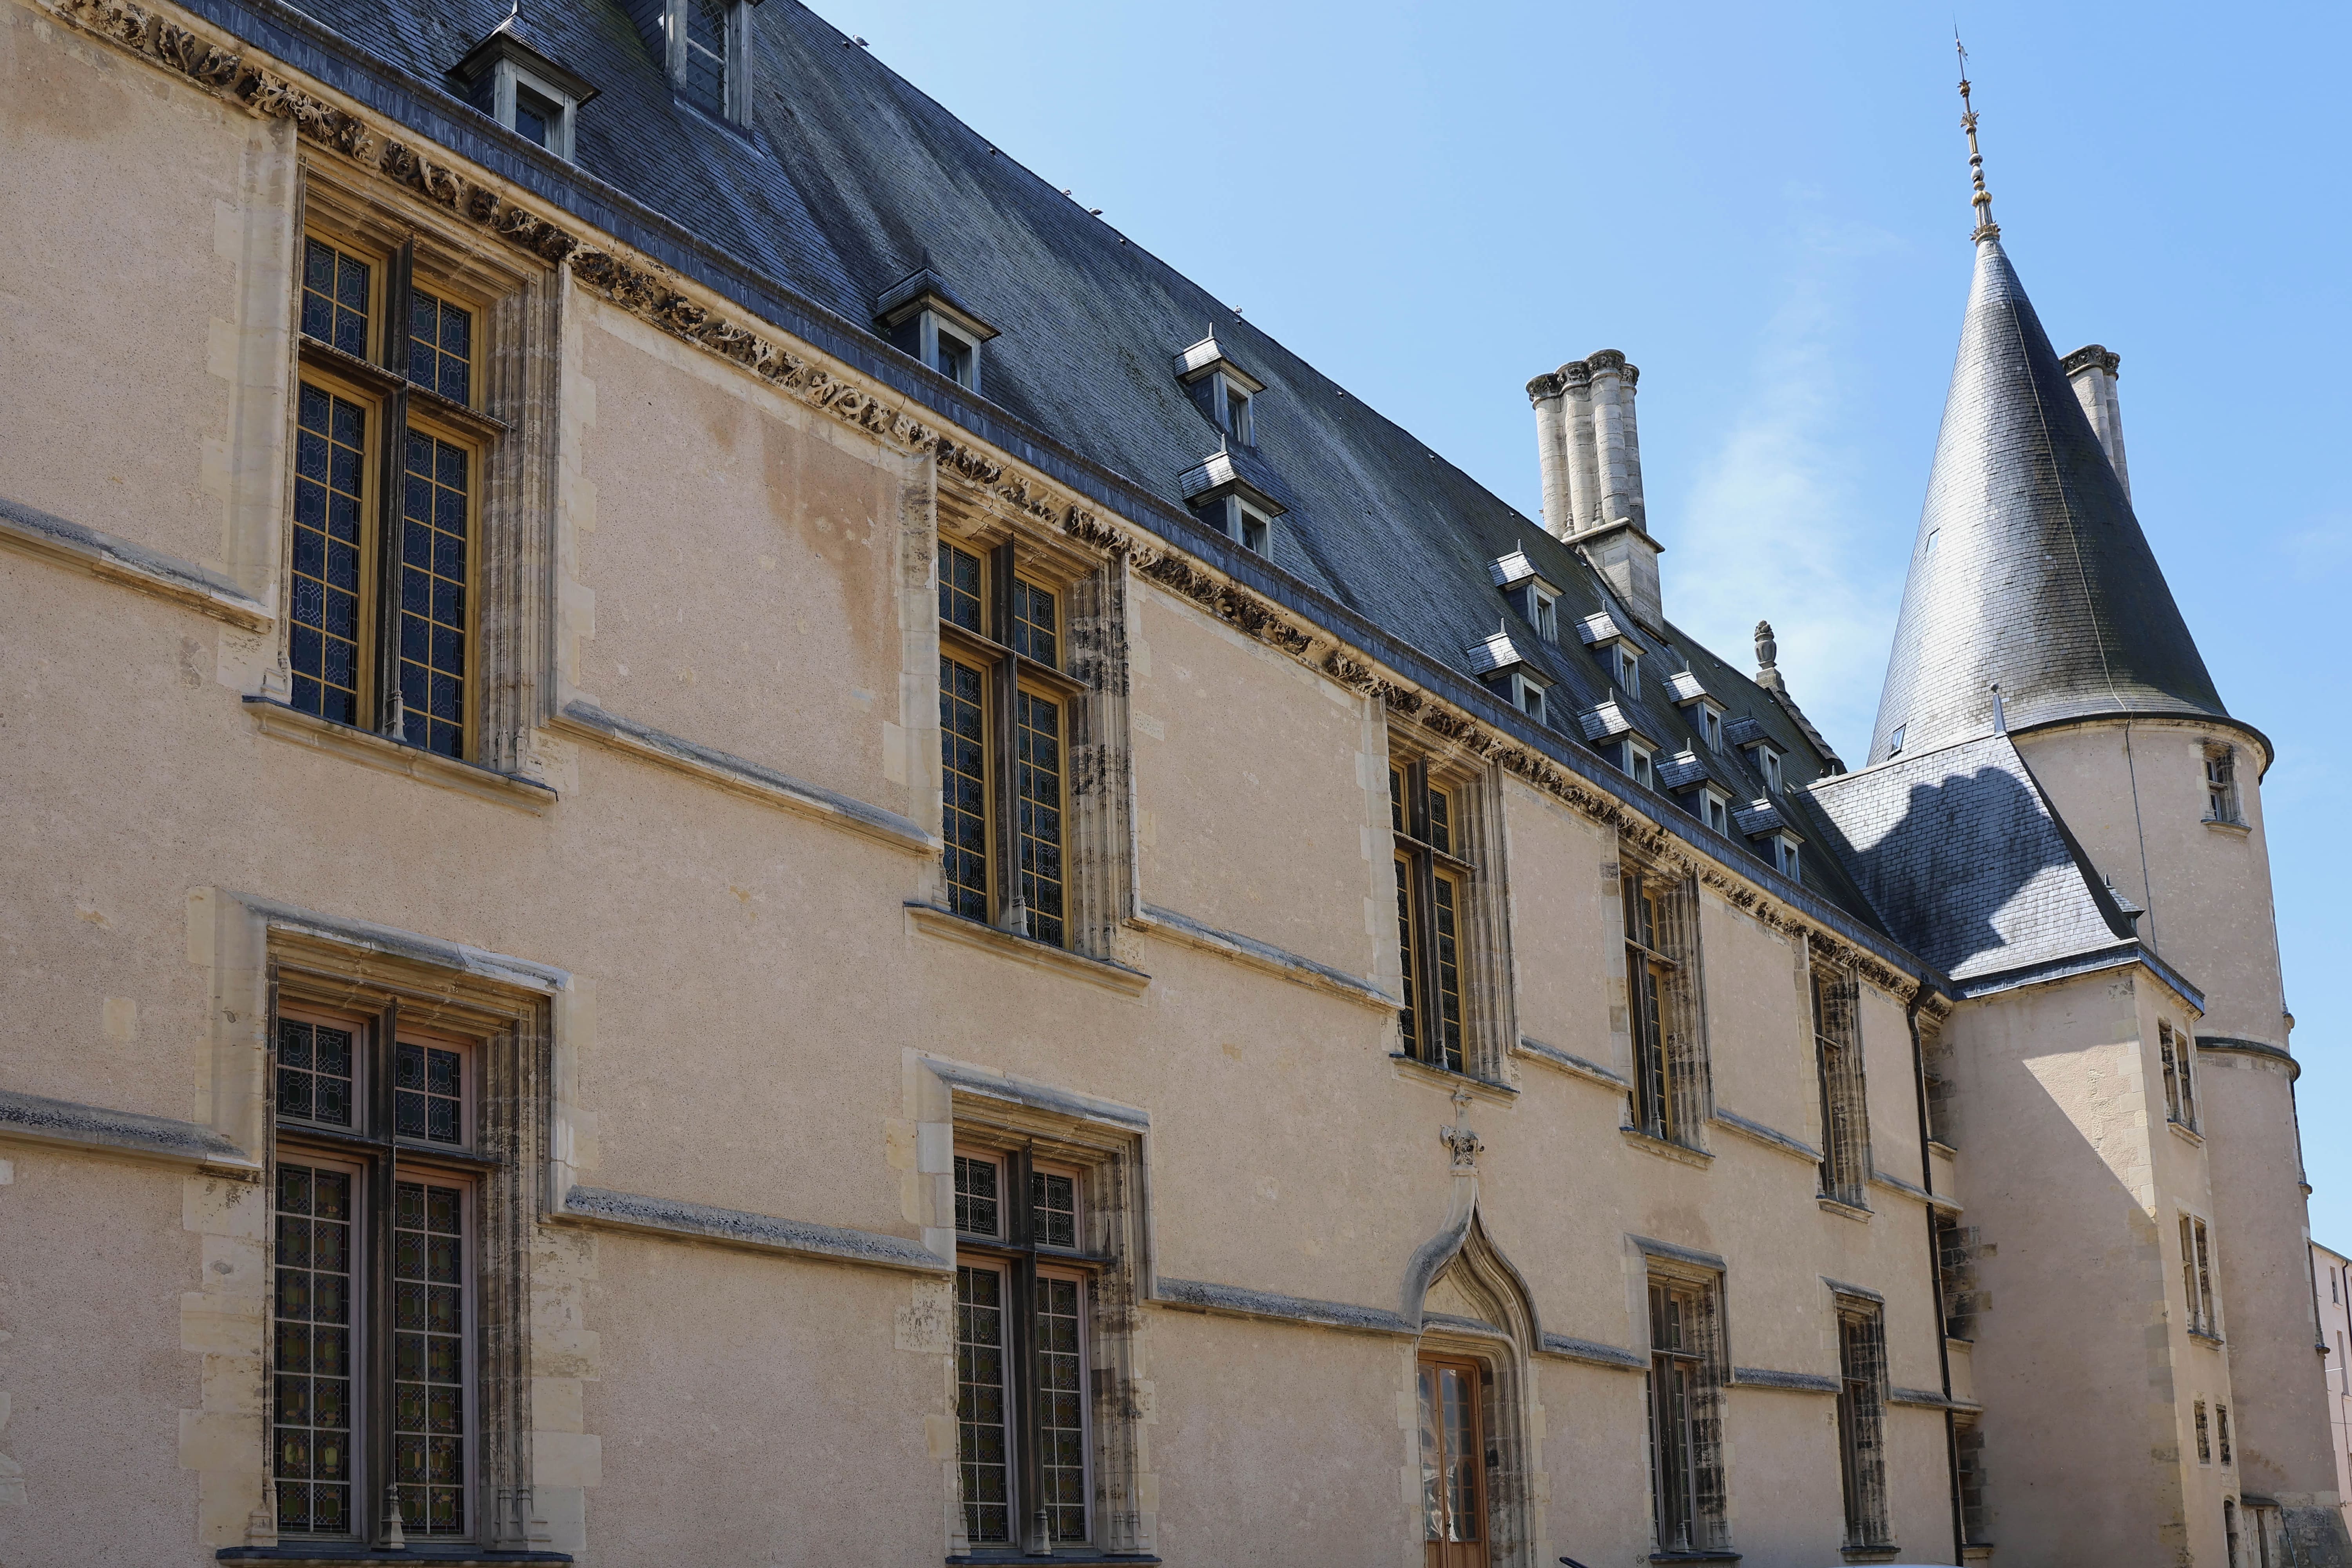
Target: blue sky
[1766, 208]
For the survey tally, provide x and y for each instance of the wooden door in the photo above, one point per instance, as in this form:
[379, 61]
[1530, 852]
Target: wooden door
[1453, 1463]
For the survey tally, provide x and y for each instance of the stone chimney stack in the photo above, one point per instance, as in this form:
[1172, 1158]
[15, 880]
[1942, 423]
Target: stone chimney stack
[2092, 371]
[1591, 456]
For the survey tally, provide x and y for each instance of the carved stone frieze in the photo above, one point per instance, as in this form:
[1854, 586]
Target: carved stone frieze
[651, 295]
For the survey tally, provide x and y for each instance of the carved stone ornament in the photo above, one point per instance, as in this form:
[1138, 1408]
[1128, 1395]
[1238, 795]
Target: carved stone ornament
[1458, 1137]
[219, 68]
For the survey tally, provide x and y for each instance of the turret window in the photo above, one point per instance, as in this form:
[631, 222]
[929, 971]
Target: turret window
[2221, 784]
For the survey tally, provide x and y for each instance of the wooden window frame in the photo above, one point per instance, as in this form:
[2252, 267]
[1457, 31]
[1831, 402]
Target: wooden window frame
[2222, 799]
[2203, 1313]
[1008, 676]
[1687, 1496]
[1432, 882]
[383, 1161]
[2176, 1050]
[1014, 1253]
[410, 249]
[1862, 1424]
[1665, 1056]
[1842, 1075]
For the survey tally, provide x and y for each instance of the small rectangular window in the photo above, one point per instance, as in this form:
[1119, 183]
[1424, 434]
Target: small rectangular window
[977, 1196]
[1636, 765]
[2221, 1430]
[1784, 856]
[314, 1072]
[1546, 615]
[1769, 761]
[1716, 812]
[1256, 531]
[1710, 727]
[428, 1092]
[1629, 670]
[1237, 415]
[957, 358]
[707, 29]
[1035, 623]
[539, 120]
[2196, 1275]
[440, 347]
[338, 297]
[2221, 784]
[1894, 741]
[2204, 1437]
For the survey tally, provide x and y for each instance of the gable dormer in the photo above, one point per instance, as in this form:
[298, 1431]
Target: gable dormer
[1223, 391]
[704, 46]
[920, 316]
[1497, 661]
[1619, 652]
[1528, 592]
[510, 78]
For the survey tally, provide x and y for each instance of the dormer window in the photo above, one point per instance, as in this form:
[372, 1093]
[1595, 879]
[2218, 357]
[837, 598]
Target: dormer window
[1221, 390]
[922, 318]
[1625, 667]
[1229, 503]
[522, 88]
[1783, 851]
[1527, 694]
[1710, 726]
[1250, 528]
[1536, 600]
[1714, 810]
[1546, 619]
[1769, 762]
[1636, 763]
[709, 55]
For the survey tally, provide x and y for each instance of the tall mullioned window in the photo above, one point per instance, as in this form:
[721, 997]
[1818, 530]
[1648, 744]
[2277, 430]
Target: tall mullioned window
[2221, 784]
[1686, 1485]
[1669, 1098]
[1862, 1422]
[1432, 893]
[373, 1299]
[2197, 1276]
[2179, 1062]
[386, 493]
[1004, 733]
[1021, 1287]
[1845, 1110]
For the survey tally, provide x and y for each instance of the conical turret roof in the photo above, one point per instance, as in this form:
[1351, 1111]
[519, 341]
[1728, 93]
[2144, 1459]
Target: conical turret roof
[2029, 569]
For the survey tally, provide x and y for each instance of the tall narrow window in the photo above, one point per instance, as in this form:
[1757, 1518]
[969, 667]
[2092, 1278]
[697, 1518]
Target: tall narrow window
[2221, 1431]
[1649, 991]
[372, 1411]
[1021, 1289]
[1968, 1439]
[2204, 1435]
[2171, 1064]
[2196, 1275]
[1686, 1477]
[1453, 1463]
[386, 492]
[1004, 713]
[2180, 1058]
[708, 24]
[1862, 1422]
[1432, 888]
[2221, 784]
[1846, 1113]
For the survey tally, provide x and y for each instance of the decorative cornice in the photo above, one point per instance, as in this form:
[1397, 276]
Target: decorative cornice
[650, 294]
[2090, 355]
[2264, 1048]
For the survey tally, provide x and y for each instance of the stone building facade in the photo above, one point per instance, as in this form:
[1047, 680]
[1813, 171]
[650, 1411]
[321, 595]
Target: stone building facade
[736, 843]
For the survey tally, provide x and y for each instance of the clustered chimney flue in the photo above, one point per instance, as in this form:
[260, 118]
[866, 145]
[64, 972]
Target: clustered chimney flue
[2093, 369]
[1590, 452]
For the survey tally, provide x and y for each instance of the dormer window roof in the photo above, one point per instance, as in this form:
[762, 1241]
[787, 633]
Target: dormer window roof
[921, 316]
[1682, 771]
[1601, 631]
[1223, 391]
[1528, 592]
[516, 84]
[1494, 654]
[1498, 662]
[1609, 721]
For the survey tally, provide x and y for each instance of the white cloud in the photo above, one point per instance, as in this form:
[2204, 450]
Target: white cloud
[1774, 528]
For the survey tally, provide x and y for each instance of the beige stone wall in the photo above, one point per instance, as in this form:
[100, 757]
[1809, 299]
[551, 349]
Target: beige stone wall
[743, 981]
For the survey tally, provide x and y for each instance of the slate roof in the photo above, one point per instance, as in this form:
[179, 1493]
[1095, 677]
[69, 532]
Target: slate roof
[850, 178]
[2028, 568]
[1965, 861]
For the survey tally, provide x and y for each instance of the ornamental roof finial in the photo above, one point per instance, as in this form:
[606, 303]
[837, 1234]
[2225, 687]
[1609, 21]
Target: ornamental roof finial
[1985, 227]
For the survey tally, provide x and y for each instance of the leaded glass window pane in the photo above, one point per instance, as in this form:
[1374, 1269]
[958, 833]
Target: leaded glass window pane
[960, 588]
[330, 494]
[1061, 1410]
[428, 1357]
[1055, 1201]
[963, 766]
[1038, 788]
[441, 345]
[976, 1197]
[982, 1447]
[706, 54]
[311, 1361]
[1441, 821]
[429, 1093]
[1448, 1053]
[1407, 1016]
[1035, 624]
[314, 1072]
[434, 527]
[335, 298]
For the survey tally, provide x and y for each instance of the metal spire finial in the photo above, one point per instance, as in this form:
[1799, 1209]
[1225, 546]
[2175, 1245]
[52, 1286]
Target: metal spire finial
[1982, 200]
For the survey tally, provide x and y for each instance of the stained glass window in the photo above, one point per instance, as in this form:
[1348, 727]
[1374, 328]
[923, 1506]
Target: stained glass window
[960, 581]
[335, 298]
[428, 1357]
[440, 346]
[1035, 624]
[1038, 785]
[433, 616]
[1053, 1198]
[1061, 1411]
[311, 1420]
[981, 1409]
[706, 54]
[329, 491]
[975, 1196]
[427, 1093]
[314, 1072]
[963, 752]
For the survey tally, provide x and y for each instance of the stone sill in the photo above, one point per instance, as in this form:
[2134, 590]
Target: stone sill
[2233, 829]
[2186, 1133]
[386, 755]
[1691, 1557]
[1448, 1079]
[933, 921]
[319, 1554]
[1836, 1206]
[2210, 1342]
[1260, 956]
[1666, 1149]
[1869, 1553]
[1064, 1557]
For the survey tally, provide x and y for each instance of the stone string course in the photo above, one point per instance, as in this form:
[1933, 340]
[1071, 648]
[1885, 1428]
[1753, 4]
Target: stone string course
[651, 295]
